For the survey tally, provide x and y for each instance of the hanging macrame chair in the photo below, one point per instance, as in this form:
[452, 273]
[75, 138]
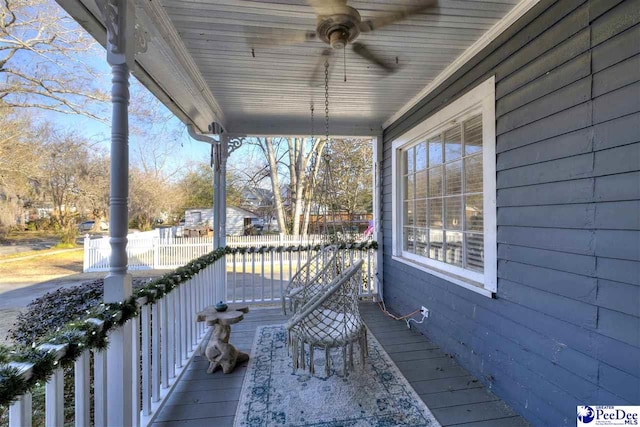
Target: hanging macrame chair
[328, 234]
[323, 295]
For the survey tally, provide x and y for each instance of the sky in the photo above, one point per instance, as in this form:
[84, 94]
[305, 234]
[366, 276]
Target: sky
[164, 128]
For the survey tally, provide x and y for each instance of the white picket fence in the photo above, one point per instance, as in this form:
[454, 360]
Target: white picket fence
[154, 250]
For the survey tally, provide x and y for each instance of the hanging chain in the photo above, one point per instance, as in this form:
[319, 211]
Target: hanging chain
[312, 124]
[326, 99]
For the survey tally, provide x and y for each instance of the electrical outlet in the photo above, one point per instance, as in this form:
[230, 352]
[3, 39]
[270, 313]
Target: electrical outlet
[424, 311]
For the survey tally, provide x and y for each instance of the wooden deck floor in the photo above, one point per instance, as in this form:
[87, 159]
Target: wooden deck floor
[454, 397]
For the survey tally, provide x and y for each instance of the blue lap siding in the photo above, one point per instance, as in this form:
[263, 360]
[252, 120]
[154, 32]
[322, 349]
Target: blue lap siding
[564, 327]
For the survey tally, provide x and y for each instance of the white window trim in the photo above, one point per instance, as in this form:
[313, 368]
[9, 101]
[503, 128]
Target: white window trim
[479, 99]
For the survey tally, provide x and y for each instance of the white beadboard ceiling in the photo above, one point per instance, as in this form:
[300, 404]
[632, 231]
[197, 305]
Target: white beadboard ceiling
[270, 93]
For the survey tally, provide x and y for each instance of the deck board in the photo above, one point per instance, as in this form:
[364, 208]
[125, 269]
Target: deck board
[454, 397]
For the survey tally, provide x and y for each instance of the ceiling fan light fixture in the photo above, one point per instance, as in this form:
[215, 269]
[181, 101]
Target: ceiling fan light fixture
[339, 29]
[338, 39]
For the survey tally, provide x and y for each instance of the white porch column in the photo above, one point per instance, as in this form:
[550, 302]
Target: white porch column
[216, 195]
[119, 19]
[224, 154]
[377, 209]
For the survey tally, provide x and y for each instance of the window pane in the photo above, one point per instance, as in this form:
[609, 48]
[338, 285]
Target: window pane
[421, 213]
[435, 182]
[475, 251]
[473, 135]
[454, 248]
[435, 151]
[453, 213]
[452, 144]
[409, 216]
[404, 188]
[408, 241]
[435, 213]
[410, 161]
[453, 178]
[421, 185]
[436, 245]
[421, 156]
[473, 210]
[409, 191]
[473, 174]
[421, 241]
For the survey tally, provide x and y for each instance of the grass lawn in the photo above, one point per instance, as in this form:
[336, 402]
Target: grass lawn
[28, 237]
[45, 265]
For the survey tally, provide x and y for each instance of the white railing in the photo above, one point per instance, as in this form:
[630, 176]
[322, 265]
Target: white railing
[285, 240]
[165, 336]
[257, 276]
[153, 250]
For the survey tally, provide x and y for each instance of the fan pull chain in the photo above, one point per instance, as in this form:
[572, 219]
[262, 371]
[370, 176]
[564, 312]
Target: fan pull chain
[345, 64]
[326, 99]
[312, 124]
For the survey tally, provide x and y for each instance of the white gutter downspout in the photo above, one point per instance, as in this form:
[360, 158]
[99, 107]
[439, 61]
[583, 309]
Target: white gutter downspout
[218, 161]
[215, 163]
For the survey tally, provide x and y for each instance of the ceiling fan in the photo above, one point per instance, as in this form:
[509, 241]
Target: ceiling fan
[339, 25]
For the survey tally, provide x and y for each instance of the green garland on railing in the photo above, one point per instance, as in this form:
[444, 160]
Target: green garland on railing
[86, 334]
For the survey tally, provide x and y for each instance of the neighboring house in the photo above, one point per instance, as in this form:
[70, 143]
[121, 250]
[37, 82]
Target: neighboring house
[257, 198]
[237, 219]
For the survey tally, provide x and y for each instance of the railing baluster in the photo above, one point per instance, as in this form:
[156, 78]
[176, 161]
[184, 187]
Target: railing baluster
[147, 366]
[262, 274]
[54, 399]
[194, 309]
[100, 388]
[155, 351]
[253, 276]
[20, 412]
[191, 314]
[369, 277]
[82, 386]
[281, 273]
[244, 277]
[135, 371]
[198, 304]
[186, 309]
[235, 279]
[171, 332]
[271, 264]
[177, 331]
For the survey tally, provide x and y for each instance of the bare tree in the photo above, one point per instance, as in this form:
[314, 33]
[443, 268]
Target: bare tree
[292, 166]
[63, 173]
[351, 166]
[44, 60]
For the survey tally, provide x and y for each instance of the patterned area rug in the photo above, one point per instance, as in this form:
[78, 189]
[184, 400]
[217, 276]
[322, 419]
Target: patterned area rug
[274, 395]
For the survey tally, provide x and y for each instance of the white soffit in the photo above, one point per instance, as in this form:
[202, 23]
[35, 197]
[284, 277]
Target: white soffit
[263, 88]
[200, 61]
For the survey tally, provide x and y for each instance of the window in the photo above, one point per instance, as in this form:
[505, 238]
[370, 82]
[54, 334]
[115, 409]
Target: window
[444, 198]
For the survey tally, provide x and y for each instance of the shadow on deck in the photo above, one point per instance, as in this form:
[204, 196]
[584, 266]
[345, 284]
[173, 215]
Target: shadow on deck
[454, 397]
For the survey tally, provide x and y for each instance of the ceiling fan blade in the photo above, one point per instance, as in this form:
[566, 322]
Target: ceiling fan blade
[363, 51]
[400, 14]
[275, 38]
[327, 7]
[317, 78]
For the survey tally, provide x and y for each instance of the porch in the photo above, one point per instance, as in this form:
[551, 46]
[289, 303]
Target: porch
[454, 396]
[554, 84]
